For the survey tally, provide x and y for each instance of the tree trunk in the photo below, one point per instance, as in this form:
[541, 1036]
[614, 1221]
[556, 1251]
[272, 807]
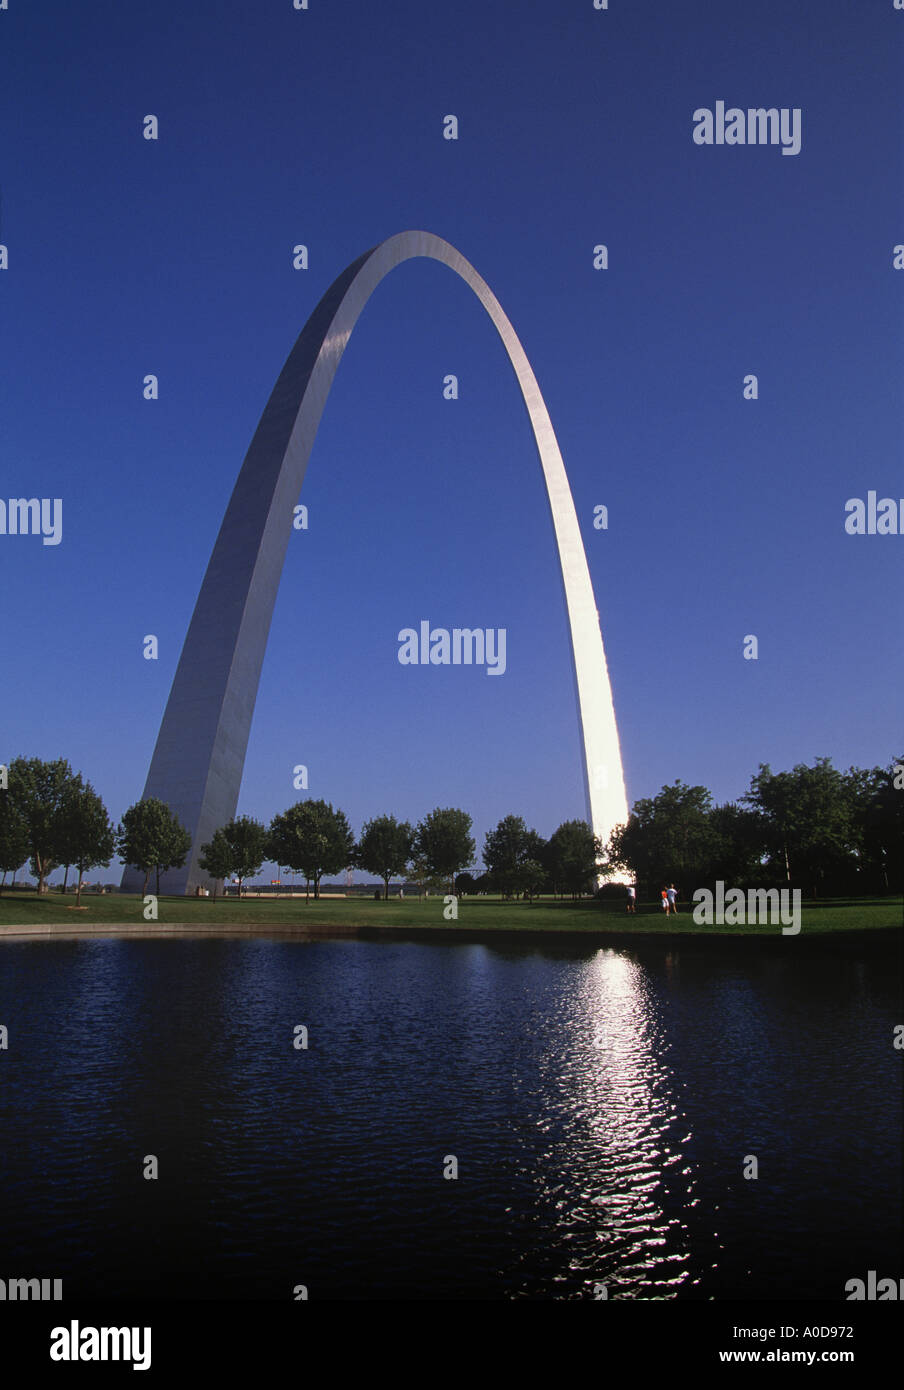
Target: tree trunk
[65, 881]
[78, 891]
[144, 891]
[386, 886]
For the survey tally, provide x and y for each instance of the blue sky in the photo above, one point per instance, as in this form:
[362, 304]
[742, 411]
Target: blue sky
[726, 516]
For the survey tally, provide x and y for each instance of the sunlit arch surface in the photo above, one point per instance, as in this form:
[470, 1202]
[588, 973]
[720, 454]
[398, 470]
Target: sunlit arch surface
[200, 753]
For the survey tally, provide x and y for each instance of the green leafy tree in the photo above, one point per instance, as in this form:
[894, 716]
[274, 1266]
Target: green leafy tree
[531, 877]
[385, 848]
[313, 839]
[737, 845]
[809, 819]
[418, 872]
[37, 792]
[668, 838]
[505, 852]
[247, 843]
[87, 839]
[877, 796]
[443, 840]
[573, 857]
[216, 859]
[151, 837]
[14, 842]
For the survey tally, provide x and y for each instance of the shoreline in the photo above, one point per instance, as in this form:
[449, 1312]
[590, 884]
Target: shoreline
[599, 935]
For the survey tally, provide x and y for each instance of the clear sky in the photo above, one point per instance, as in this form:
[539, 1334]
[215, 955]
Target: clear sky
[325, 127]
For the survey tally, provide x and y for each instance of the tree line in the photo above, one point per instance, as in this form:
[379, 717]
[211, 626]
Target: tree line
[827, 831]
[313, 838]
[52, 816]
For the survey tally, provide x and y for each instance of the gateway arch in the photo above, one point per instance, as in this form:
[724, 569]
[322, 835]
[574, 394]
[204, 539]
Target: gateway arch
[200, 752]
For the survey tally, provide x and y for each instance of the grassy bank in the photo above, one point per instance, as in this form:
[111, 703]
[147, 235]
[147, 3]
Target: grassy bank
[481, 914]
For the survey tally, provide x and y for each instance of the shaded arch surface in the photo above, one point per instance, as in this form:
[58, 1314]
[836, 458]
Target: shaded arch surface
[200, 752]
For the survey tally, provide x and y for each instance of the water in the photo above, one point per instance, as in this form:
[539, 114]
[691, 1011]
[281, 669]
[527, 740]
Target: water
[600, 1104]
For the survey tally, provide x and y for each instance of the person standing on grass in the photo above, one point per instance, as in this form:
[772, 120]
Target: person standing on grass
[631, 904]
[665, 901]
[672, 895]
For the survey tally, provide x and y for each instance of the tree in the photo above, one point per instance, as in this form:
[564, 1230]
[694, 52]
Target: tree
[737, 846]
[507, 849]
[532, 876]
[668, 838]
[14, 843]
[37, 791]
[152, 837]
[385, 848]
[312, 839]
[443, 840]
[247, 842]
[418, 872]
[87, 838]
[216, 859]
[878, 809]
[573, 856]
[809, 819]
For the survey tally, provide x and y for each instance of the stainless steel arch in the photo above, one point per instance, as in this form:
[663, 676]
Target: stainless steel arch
[200, 752]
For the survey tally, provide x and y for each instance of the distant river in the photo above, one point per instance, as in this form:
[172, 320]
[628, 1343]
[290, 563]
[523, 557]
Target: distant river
[600, 1105]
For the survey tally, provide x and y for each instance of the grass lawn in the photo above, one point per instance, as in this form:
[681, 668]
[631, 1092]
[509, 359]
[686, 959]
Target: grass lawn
[482, 914]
